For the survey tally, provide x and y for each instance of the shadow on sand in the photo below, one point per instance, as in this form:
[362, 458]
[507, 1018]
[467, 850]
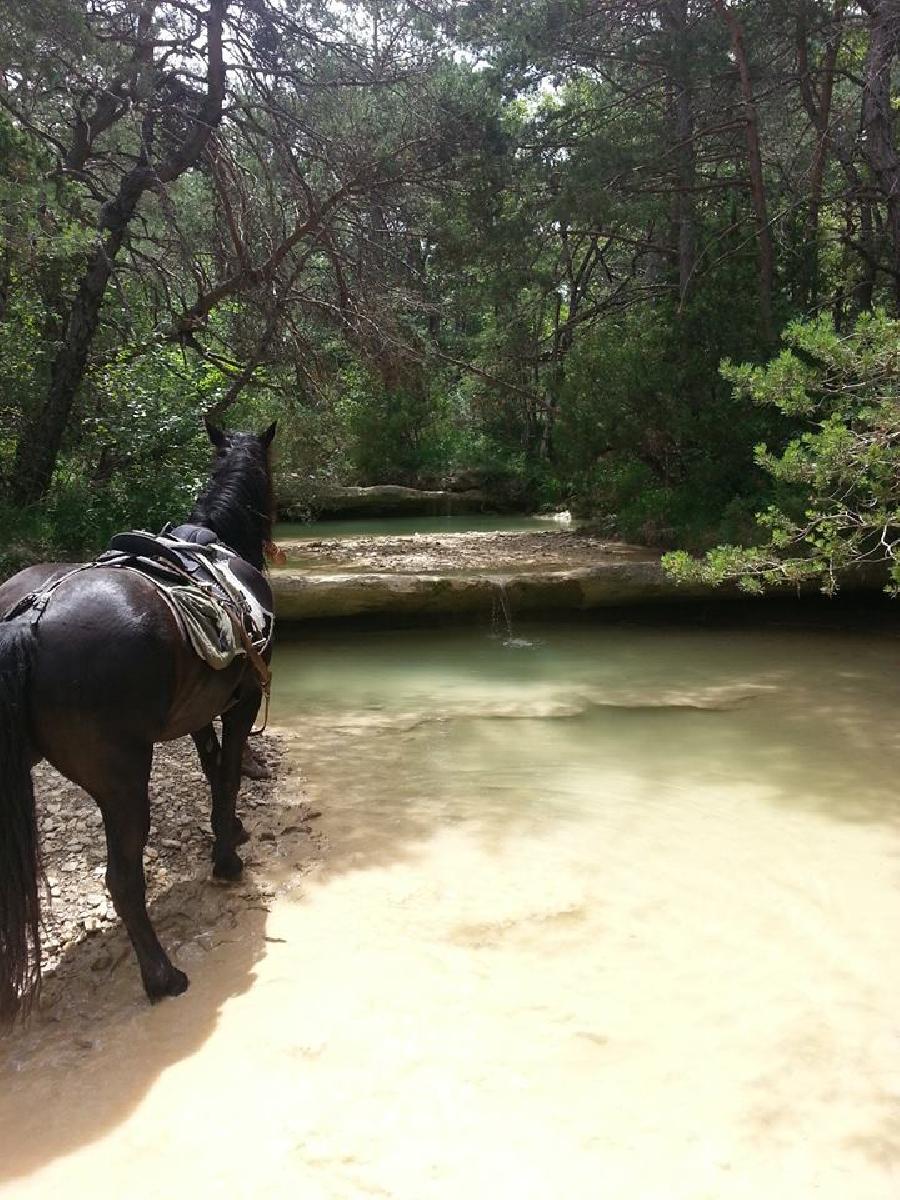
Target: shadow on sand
[94, 1045]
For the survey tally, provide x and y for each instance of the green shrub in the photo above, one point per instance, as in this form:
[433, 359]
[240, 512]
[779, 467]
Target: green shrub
[838, 481]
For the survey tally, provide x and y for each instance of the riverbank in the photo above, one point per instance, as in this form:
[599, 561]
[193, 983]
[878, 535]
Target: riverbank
[467, 575]
[499, 575]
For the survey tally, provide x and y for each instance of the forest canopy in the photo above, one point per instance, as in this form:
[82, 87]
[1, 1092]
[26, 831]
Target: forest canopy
[506, 242]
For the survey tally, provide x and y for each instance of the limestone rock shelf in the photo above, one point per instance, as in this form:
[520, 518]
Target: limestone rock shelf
[384, 500]
[467, 574]
[480, 573]
[310, 595]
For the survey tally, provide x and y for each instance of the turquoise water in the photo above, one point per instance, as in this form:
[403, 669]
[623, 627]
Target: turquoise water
[620, 902]
[597, 911]
[801, 715]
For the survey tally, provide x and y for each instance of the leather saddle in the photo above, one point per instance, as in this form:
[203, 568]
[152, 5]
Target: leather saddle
[193, 550]
[145, 545]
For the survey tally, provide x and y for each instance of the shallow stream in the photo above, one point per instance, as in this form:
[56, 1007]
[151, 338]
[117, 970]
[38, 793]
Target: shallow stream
[603, 912]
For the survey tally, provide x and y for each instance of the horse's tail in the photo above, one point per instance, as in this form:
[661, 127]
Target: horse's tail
[20, 869]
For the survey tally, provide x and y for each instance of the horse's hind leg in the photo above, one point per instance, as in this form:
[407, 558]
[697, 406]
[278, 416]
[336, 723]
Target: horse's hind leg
[125, 804]
[209, 753]
[227, 829]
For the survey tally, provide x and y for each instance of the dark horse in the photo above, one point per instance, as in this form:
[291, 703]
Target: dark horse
[91, 686]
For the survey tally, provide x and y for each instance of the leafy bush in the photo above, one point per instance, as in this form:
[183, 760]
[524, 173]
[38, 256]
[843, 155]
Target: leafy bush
[653, 443]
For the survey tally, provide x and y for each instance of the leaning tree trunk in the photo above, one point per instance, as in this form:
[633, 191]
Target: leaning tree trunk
[43, 429]
[41, 434]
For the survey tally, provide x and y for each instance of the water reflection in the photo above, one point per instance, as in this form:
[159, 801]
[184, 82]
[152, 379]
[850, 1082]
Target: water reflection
[804, 718]
[401, 526]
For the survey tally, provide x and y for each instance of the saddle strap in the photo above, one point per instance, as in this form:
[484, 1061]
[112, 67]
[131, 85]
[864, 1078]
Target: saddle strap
[256, 660]
[35, 602]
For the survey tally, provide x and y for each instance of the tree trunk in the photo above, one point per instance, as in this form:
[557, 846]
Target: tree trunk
[43, 429]
[41, 435]
[877, 118]
[675, 17]
[820, 115]
[755, 168]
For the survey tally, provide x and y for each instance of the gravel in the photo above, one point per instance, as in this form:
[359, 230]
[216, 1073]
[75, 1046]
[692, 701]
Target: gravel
[495, 551]
[81, 929]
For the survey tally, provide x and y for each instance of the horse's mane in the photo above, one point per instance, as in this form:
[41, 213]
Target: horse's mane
[237, 503]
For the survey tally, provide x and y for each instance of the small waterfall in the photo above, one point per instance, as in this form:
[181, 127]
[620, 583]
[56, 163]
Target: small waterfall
[501, 615]
[501, 619]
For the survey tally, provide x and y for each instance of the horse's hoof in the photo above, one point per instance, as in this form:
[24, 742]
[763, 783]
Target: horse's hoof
[229, 867]
[168, 983]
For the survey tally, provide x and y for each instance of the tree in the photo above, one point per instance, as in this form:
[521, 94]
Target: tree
[838, 481]
[169, 124]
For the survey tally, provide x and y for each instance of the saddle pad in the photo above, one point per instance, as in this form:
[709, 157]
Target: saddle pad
[218, 562]
[207, 626]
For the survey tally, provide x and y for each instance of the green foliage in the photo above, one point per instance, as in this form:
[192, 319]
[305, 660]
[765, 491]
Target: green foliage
[655, 445]
[41, 249]
[395, 434]
[838, 482]
[496, 289]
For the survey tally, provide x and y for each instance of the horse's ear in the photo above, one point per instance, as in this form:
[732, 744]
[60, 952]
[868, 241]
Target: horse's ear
[216, 436]
[267, 434]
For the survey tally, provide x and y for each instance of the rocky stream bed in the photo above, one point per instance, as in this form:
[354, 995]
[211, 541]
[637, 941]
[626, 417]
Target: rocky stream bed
[502, 551]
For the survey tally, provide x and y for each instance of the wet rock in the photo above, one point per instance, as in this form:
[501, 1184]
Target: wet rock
[333, 500]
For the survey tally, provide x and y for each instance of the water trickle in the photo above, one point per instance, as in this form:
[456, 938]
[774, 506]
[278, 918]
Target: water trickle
[501, 620]
[501, 616]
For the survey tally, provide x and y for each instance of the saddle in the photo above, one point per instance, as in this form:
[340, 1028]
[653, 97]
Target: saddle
[196, 552]
[221, 603]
